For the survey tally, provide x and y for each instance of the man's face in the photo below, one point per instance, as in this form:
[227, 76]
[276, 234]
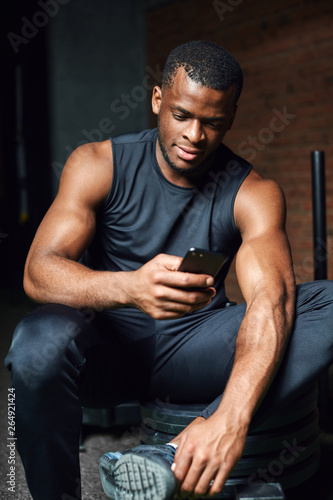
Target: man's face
[192, 121]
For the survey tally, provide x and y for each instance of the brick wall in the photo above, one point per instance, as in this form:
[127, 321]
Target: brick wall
[285, 48]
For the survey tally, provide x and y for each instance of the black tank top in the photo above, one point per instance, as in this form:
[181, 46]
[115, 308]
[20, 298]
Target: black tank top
[145, 214]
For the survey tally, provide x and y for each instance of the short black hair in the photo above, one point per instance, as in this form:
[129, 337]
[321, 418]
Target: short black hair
[206, 63]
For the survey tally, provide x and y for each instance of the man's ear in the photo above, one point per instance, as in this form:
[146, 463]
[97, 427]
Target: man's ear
[233, 116]
[156, 100]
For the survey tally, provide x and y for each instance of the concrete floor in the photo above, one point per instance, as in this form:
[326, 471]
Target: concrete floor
[99, 441]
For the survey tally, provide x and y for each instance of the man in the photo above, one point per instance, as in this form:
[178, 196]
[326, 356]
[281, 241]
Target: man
[122, 323]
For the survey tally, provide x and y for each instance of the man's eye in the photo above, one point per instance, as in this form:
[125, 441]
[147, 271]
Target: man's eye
[179, 117]
[215, 125]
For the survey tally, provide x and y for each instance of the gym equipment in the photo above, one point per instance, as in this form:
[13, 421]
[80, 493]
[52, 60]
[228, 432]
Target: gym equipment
[284, 449]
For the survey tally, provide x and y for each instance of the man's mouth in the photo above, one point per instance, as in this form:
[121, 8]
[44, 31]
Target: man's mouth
[188, 154]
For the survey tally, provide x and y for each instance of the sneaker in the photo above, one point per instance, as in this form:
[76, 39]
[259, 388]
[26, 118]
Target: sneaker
[141, 473]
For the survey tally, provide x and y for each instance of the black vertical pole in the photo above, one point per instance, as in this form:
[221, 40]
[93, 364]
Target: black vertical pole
[319, 215]
[320, 254]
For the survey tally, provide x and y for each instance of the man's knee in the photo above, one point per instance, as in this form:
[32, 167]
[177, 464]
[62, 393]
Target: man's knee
[41, 342]
[326, 303]
[315, 295]
[327, 287]
[314, 314]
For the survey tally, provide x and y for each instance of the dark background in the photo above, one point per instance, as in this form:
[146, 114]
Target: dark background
[15, 236]
[87, 72]
[76, 58]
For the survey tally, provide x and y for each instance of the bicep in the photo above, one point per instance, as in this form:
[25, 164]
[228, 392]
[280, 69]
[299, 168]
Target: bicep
[69, 225]
[65, 231]
[263, 263]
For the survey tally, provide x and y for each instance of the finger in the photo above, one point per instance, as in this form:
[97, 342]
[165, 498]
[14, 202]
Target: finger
[181, 464]
[183, 280]
[174, 296]
[219, 481]
[164, 310]
[199, 477]
[193, 280]
[203, 483]
[188, 470]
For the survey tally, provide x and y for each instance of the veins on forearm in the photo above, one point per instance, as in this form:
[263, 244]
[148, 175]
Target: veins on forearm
[260, 346]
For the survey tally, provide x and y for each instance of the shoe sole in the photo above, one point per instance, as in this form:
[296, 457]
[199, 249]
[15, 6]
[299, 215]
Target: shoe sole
[134, 477]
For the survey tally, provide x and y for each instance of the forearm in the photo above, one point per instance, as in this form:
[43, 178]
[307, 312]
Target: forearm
[217, 443]
[52, 278]
[155, 288]
[260, 347]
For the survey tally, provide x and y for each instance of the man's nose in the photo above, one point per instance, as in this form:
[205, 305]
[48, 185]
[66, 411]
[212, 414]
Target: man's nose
[194, 131]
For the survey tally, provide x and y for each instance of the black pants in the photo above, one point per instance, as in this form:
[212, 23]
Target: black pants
[62, 359]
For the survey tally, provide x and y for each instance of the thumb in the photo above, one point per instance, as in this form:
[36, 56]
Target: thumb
[170, 262]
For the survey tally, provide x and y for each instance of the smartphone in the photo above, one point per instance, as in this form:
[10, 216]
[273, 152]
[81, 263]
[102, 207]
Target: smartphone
[200, 261]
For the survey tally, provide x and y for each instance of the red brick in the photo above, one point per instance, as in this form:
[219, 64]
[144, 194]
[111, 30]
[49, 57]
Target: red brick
[286, 50]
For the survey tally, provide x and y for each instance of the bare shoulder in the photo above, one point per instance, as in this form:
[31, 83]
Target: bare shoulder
[88, 172]
[260, 204]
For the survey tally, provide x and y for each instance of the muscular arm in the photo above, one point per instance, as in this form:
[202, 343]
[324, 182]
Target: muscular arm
[53, 273]
[210, 448]
[265, 275]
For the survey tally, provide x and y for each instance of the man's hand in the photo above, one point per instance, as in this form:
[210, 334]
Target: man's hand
[160, 291]
[207, 451]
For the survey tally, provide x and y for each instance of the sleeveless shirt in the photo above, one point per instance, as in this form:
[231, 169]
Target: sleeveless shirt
[145, 214]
